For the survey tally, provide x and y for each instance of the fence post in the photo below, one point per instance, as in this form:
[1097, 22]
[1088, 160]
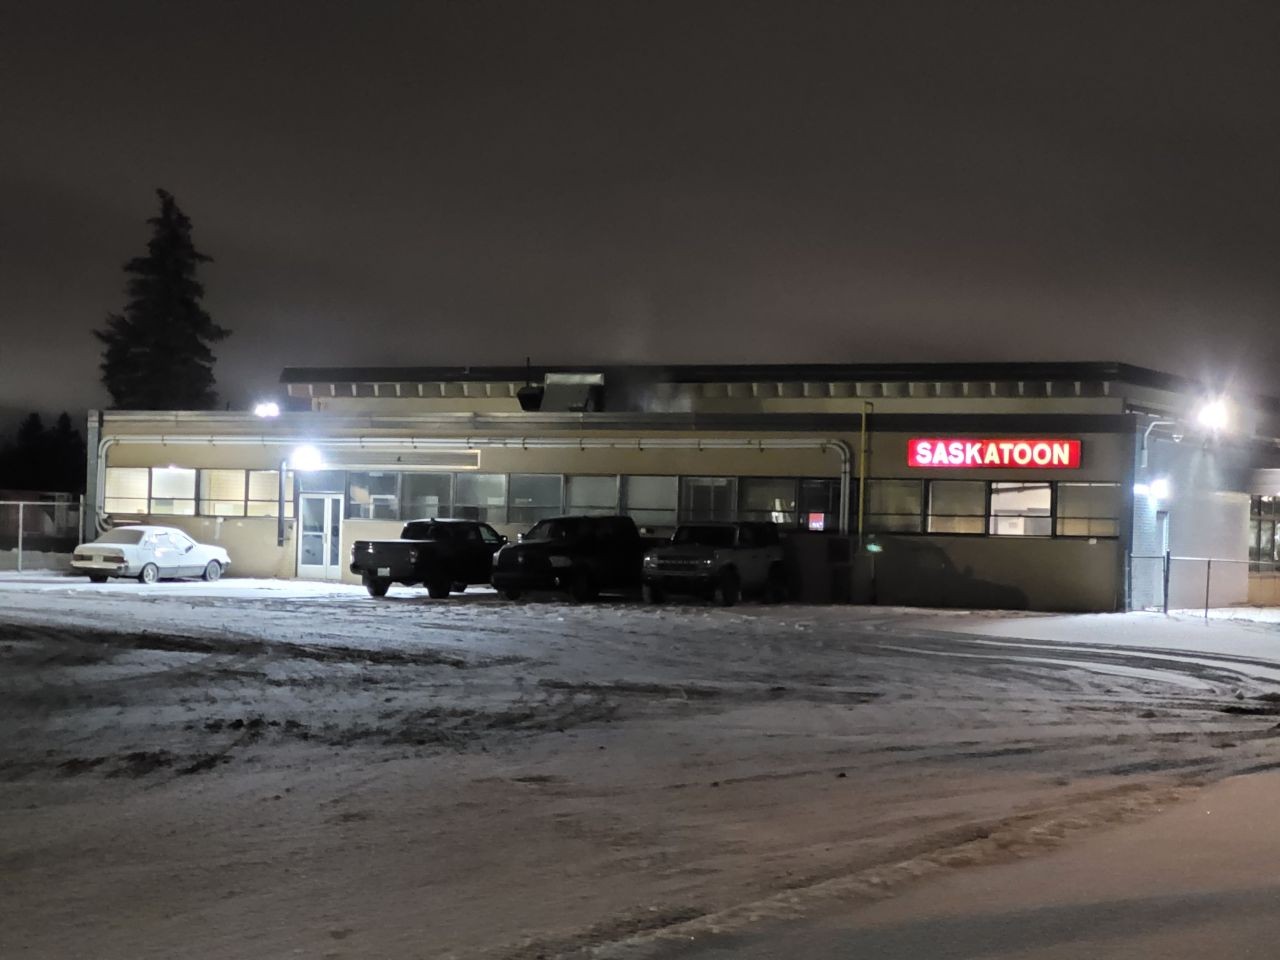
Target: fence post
[1168, 562]
[1208, 571]
[20, 506]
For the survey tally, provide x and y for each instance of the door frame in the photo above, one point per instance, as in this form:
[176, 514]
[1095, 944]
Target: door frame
[333, 510]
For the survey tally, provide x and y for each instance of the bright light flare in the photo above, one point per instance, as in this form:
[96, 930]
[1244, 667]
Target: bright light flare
[1213, 414]
[268, 408]
[1160, 488]
[306, 457]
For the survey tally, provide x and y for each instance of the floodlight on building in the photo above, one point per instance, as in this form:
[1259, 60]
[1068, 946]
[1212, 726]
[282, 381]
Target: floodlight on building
[1214, 414]
[1159, 488]
[306, 457]
[267, 408]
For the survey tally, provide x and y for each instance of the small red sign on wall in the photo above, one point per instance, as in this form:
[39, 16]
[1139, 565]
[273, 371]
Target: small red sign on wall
[967, 453]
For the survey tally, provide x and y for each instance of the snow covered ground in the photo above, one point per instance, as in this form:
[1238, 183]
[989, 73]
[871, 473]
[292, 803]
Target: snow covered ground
[271, 768]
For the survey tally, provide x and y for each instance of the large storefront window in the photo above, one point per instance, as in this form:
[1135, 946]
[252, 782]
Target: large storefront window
[127, 490]
[533, 497]
[591, 495]
[651, 501]
[481, 496]
[957, 506]
[1021, 510]
[767, 498]
[819, 505]
[373, 495]
[1088, 510]
[222, 493]
[893, 506]
[426, 495]
[707, 498]
[1264, 515]
[173, 491]
[264, 493]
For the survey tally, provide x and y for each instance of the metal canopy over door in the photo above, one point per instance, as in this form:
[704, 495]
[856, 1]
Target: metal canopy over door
[320, 536]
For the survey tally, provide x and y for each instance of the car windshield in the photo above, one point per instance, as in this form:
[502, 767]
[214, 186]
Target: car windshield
[704, 536]
[561, 529]
[120, 536]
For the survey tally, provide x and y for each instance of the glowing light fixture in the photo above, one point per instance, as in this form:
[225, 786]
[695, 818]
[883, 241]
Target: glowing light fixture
[306, 457]
[1159, 488]
[268, 408]
[1213, 414]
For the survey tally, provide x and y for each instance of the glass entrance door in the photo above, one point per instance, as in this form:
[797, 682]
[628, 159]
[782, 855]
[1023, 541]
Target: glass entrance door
[319, 536]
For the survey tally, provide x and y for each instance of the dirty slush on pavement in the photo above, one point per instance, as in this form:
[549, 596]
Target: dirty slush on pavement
[258, 774]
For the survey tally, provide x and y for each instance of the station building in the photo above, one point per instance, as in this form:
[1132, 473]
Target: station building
[1046, 486]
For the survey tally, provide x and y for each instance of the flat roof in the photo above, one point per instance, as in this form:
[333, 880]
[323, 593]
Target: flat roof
[1094, 371]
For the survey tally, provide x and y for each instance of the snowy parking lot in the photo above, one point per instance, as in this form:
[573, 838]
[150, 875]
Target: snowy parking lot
[268, 768]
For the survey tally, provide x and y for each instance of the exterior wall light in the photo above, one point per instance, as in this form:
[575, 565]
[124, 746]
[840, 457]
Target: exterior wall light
[268, 408]
[306, 458]
[1214, 415]
[1159, 488]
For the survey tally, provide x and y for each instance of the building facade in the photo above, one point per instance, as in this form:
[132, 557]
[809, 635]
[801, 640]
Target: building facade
[1037, 486]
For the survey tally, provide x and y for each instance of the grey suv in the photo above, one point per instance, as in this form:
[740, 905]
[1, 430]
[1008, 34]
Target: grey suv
[719, 561]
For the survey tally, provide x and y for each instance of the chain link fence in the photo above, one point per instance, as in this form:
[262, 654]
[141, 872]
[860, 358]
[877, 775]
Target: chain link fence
[1167, 581]
[38, 534]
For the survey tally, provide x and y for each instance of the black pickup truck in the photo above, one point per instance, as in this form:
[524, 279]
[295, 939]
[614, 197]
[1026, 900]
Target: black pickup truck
[579, 555]
[445, 555]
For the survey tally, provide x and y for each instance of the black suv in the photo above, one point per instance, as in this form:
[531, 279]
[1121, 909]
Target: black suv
[578, 555]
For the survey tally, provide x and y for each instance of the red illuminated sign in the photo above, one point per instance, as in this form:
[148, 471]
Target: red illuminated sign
[970, 454]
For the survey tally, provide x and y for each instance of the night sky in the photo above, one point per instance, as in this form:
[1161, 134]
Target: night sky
[468, 182]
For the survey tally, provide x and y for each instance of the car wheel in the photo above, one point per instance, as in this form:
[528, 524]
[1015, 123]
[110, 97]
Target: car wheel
[377, 586]
[438, 589]
[583, 587]
[512, 594]
[653, 593]
[729, 588]
[212, 571]
[149, 573]
[97, 578]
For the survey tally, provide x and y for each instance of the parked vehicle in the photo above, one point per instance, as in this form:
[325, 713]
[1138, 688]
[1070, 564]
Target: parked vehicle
[718, 560]
[579, 555]
[444, 555]
[150, 554]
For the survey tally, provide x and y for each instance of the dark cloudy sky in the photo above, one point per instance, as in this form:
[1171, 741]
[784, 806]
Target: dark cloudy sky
[471, 182]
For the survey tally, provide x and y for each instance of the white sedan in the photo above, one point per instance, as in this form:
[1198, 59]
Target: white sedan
[148, 553]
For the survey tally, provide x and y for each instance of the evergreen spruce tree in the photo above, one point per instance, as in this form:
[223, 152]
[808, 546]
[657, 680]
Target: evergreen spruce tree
[157, 354]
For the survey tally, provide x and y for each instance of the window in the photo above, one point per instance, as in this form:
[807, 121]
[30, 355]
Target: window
[173, 491]
[264, 493]
[819, 505]
[957, 506]
[126, 490]
[707, 498]
[767, 498]
[481, 496]
[426, 495]
[591, 495]
[1088, 510]
[373, 496]
[322, 481]
[1264, 515]
[651, 501]
[708, 536]
[533, 496]
[489, 535]
[222, 493]
[121, 535]
[893, 506]
[1021, 509]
